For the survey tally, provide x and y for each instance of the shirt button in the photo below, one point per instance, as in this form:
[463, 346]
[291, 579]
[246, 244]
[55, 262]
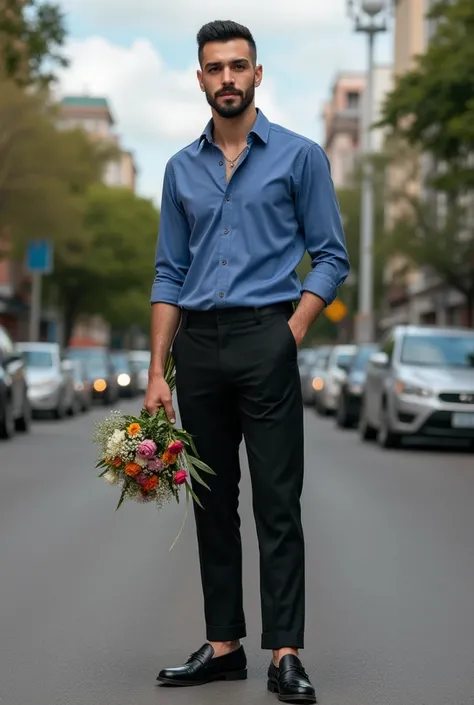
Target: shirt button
[221, 294]
[227, 198]
[221, 163]
[224, 261]
[226, 232]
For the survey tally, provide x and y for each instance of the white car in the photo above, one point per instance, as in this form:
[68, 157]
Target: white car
[140, 360]
[332, 378]
[50, 379]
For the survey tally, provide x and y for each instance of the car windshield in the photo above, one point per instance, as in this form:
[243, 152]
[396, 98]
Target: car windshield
[438, 350]
[120, 362]
[38, 358]
[362, 358]
[343, 360]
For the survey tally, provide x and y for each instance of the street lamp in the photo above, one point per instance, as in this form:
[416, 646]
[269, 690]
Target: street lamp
[370, 17]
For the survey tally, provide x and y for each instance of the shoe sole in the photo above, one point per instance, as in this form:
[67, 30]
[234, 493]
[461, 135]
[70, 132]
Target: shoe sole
[297, 698]
[229, 676]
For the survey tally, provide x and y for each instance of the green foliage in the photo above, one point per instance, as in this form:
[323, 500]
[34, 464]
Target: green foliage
[432, 106]
[109, 270]
[43, 172]
[32, 34]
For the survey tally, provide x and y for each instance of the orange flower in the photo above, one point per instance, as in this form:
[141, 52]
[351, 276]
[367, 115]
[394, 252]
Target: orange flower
[169, 458]
[116, 462]
[151, 483]
[133, 429]
[132, 469]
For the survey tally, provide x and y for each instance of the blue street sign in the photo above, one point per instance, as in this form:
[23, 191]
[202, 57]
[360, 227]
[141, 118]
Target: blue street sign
[39, 257]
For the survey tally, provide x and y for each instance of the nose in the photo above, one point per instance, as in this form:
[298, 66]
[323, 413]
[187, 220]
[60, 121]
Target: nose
[227, 78]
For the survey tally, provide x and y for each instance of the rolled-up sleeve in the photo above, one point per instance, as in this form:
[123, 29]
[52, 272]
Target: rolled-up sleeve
[172, 252]
[319, 217]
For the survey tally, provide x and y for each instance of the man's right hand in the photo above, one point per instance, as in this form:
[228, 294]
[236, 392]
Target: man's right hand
[158, 394]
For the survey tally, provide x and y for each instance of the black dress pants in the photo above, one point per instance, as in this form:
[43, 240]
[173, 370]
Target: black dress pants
[237, 377]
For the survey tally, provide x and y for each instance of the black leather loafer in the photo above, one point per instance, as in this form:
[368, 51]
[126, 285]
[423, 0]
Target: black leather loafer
[201, 668]
[290, 681]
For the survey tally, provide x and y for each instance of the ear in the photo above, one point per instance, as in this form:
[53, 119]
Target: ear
[199, 78]
[258, 75]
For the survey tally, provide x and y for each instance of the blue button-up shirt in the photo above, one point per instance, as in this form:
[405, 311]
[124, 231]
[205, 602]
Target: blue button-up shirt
[237, 244]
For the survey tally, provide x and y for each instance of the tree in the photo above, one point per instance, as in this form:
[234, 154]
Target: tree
[432, 109]
[350, 206]
[32, 34]
[109, 271]
[44, 172]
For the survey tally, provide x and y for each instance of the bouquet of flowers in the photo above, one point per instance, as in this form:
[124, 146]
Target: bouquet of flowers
[147, 457]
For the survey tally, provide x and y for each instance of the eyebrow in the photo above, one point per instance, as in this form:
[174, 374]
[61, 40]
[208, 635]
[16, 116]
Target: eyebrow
[213, 64]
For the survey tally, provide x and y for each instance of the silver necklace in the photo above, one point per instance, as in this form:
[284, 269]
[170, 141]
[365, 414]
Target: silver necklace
[232, 161]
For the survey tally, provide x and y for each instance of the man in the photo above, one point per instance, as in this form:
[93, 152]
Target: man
[240, 206]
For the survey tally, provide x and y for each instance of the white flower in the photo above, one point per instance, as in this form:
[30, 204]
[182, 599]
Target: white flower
[140, 461]
[111, 477]
[115, 443]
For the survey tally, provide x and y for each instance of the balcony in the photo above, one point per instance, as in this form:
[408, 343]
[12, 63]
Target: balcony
[346, 122]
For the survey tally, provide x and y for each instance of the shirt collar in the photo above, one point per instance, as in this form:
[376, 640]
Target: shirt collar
[261, 129]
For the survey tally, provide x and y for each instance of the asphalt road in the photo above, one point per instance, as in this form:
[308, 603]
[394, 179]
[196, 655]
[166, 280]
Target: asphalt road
[92, 603]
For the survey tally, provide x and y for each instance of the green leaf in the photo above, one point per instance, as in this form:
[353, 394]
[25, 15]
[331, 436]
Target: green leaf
[189, 490]
[199, 464]
[195, 474]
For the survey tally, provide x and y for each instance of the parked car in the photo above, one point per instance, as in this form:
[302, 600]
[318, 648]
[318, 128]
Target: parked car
[82, 384]
[421, 383]
[15, 409]
[327, 396]
[50, 382]
[352, 388]
[140, 360]
[307, 358]
[127, 374]
[100, 371]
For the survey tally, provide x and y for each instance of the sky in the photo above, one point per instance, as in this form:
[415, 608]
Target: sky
[141, 56]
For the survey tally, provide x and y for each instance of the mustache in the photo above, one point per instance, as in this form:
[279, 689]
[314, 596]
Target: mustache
[228, 91]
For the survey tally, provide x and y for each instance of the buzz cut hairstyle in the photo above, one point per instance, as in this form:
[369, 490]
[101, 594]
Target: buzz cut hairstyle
[225, 31]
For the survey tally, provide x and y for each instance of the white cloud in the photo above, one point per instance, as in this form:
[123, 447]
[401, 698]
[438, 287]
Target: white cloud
[150, 100]
[262, 15]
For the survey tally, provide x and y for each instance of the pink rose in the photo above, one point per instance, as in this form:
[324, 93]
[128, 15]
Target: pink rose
[176, 447]
[146, 449]
[180, 477]
[155, 465]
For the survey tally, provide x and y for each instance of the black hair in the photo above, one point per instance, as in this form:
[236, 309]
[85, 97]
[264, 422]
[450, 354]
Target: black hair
[224, 31]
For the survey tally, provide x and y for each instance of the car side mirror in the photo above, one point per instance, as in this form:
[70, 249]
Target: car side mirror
[380, 360]
[67, 366]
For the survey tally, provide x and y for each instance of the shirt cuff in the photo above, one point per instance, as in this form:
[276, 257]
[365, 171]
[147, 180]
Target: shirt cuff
[320, 285]
[165, 293]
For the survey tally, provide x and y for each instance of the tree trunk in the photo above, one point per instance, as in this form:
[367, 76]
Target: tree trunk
[470, 309]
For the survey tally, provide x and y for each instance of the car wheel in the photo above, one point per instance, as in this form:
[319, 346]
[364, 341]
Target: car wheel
[23, 424]
[60, 411]
[342, 419]
[7, 424]
[386, 438]
[366, 431]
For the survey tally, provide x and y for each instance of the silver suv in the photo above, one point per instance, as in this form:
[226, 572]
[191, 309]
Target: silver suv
[420, 383]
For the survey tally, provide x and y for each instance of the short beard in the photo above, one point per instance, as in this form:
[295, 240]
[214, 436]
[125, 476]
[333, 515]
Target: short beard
[232, 111]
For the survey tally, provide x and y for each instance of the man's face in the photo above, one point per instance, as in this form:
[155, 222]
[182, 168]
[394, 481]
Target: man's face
[228, 77]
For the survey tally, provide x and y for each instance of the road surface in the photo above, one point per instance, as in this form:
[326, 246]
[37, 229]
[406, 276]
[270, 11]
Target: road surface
[92, 603]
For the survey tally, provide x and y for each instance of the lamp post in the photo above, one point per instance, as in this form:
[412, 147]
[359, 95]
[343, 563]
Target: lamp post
[370, 17]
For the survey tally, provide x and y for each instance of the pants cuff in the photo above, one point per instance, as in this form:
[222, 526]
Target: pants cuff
[230, 633]
[280, 640]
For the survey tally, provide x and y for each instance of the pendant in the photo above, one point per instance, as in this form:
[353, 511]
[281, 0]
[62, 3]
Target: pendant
[232, 165]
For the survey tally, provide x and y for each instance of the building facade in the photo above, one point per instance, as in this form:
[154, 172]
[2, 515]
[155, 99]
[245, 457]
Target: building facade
[416, 295]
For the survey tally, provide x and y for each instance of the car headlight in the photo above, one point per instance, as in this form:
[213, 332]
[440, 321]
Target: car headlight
[123, 380]
[410, 389]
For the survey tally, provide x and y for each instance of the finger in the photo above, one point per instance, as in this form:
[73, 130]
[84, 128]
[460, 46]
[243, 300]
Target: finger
[168, 405]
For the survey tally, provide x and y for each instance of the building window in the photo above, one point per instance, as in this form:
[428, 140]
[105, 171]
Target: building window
[353, 100]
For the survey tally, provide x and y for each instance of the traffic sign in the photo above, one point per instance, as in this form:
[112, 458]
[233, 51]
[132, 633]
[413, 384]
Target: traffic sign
[39, 257]
[336, 311]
